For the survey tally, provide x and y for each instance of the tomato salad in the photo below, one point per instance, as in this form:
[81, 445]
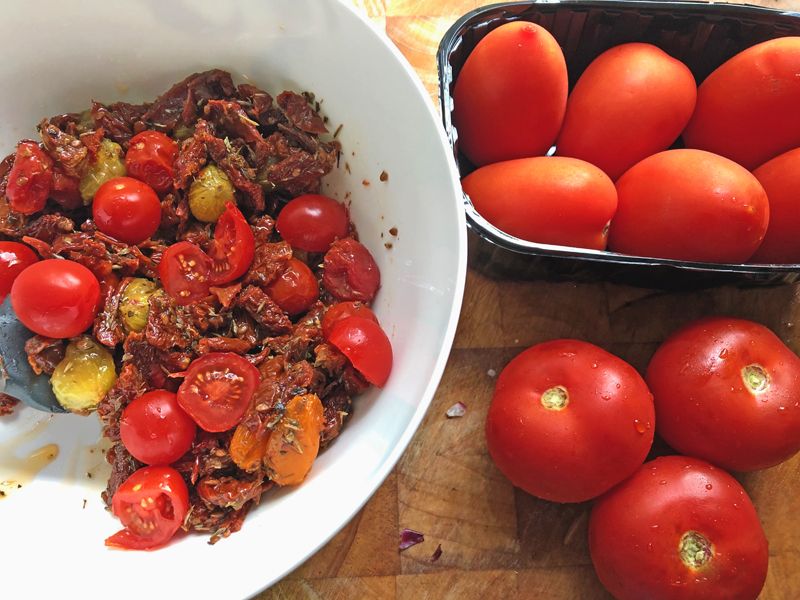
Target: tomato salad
[194, 289]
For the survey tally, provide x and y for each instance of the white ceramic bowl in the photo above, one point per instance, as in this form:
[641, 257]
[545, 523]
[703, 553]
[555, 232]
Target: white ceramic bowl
[58, 56]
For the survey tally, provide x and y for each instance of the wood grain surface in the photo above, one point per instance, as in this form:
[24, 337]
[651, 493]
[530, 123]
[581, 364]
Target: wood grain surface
[499, 542]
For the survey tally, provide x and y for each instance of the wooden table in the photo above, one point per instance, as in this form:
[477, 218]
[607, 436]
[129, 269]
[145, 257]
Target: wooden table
[498, 541]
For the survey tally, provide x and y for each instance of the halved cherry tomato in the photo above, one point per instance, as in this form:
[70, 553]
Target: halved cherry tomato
[150, 158]
[152, 504]
[127, 210]
[29, 179]
[351, 272]
[233, 248]
[295, 289]
[312, 222]
[185, 270]
[155, 429]
[340, 311]
[294, 444]
[366, 345]
[217, 390]
[14, 258]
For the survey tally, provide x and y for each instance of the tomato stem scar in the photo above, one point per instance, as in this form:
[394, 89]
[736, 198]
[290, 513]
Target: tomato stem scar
[555, 398]
[755, 378]
[695, 550]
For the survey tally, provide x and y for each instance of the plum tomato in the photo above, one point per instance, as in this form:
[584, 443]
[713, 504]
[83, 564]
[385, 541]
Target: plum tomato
[127, 210]
[568, 421]
[152, 505]
[150, 159]
[155, 429]
[312, 222]
[689, 205]
[56, 298]
[233, 248]
[217, 390]
[340, 311]
[547, 200]
[631, 101]
[29, 179]
[294, 444]
[726, 391]
[295, 288]
[366, 345]
[185, 271]
[511, 94]
[14, 258]
[351, 272]
[677, 529]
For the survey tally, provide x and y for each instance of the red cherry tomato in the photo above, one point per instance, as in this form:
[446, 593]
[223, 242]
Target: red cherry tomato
[726, 391]
[366, 345]
[127, 210]
[312, 222]
[295, 289]
[155, 429]
[343, 310]
[56, 298]
[678, 529]
[568, 421]
[29, 179]
[351, 272]
[14, 258]
[217, 390]
[151, 504]
[185, 271]
[150, 158]
[233, 248]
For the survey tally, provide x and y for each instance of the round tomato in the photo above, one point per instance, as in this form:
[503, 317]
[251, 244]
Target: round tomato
[340, 311]
[14, 258]
[511, 94]
[351, 272]
[632, 101]
[366, 345]
[150, 158]
[233, 248]
[312, 222]
[185, 271]
[678, 529]
[726, 391]
[127, 210]
[568, 421]
[760, 119]
[56, 298]
[155, 429]
[548, 200]
[217, 390]
[151, 504]
[29, 179]
[689, 205]
[295, 289]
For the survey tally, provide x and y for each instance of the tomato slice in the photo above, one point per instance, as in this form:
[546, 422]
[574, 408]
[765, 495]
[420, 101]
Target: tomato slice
[151, 504]
[312, 222]
[295, 289]
[366, 345]
[217, 390]
[29, 179]
[150, 159]
[351, 272]
[340, 311]
[185, 270]
[233, 248]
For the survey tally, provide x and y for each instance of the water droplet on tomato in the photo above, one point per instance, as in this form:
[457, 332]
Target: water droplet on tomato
[735, 505]
[662, 482]
[752, 342]
[654, 527]
[724, 353]
[594, 365]
[782, 410]
[640, 427]
[650, 547]
[709, 486]
[618, 386]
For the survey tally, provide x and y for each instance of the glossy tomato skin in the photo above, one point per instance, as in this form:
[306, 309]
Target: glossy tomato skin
[689, 205]
[340, 311]
[366, 345]
[600, 436]
[127, 210]
[234, 246]
[350, 271]
[185, 271]
[151, 158]
[637, 528]
[312, 222]
[29, 179]
[56, 298]
[631, 101]
[295, 289]
[14, 258]
[548, 200]
[708, 407]
[155, 429]
[747, 109]
[511, 94]
[780, 178]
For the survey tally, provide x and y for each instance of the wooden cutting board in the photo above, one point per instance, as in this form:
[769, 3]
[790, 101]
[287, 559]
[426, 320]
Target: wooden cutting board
[497, 541]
